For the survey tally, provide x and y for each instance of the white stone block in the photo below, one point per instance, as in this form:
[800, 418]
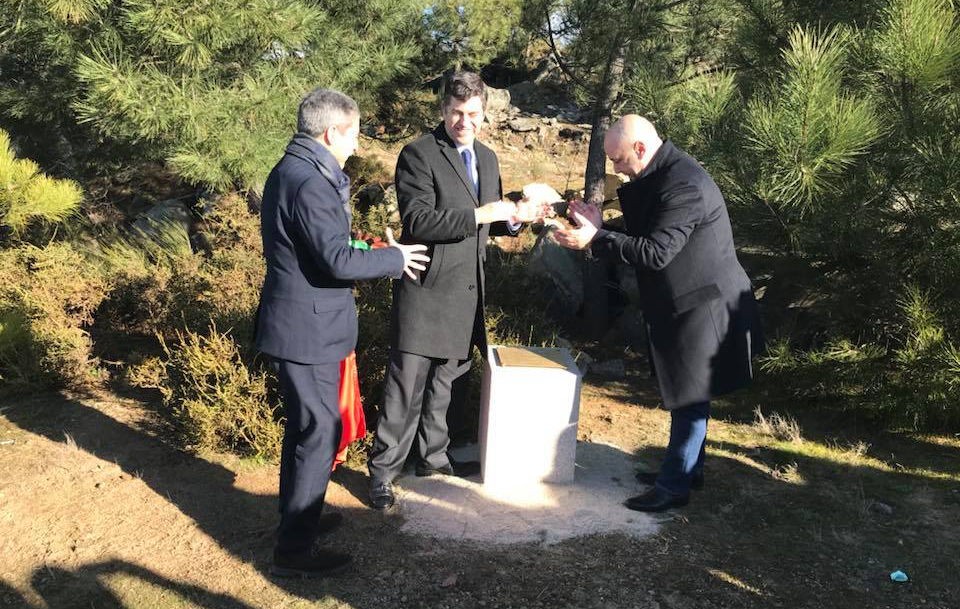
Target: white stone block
[528, 421]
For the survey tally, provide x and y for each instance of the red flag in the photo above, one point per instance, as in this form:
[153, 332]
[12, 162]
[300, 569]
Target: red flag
[351, 407]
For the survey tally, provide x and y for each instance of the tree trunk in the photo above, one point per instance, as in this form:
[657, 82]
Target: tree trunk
[610, 90]
[597, 272]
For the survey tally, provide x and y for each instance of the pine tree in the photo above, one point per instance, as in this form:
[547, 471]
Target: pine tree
[28, 196]
[470, 33]
[211, 88]
[605, 48]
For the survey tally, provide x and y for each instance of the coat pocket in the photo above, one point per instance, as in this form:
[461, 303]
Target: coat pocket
[429, 277]
[328, 305]
[695, 298]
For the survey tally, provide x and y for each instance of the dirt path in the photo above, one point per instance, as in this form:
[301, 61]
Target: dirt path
[95, 511]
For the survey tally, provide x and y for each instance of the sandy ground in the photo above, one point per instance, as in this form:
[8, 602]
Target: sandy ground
[97, 512]
[466, 509]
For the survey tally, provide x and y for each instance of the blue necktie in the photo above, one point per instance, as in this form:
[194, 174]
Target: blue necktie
[468, 161]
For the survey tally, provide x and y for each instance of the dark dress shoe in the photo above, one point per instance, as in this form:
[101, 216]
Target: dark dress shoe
[460, 469]
[650, 478]
[328, 522]
[656, 500]
[310, 562]
[381, 495]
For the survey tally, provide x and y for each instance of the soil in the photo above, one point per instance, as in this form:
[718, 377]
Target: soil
[98, 511]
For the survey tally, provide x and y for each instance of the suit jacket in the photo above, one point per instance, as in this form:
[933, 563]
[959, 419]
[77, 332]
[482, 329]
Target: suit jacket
[433, 315]
[696, 298]
[307, 312]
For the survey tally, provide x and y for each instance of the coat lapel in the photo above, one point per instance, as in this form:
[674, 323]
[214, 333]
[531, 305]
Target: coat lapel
[449, 151]
[488, 174]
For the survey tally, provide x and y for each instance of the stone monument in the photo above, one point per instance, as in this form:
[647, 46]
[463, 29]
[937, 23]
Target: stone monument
[530, 405]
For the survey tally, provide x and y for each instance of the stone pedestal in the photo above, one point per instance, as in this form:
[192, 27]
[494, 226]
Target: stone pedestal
[528, 417]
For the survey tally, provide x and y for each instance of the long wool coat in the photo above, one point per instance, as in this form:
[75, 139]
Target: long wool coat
[434, 315]
[696, 298]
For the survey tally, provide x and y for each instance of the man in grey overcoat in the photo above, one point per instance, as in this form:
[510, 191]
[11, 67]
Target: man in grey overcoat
[450, 198]
[696, 299]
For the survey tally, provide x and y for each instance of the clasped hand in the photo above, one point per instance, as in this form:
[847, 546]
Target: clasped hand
[587, 219]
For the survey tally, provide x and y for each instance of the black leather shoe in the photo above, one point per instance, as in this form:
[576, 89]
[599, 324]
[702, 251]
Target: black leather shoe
[656, 500]
[381, 495]
[327, 523]
[460, 469]
[650, 478]
[311, 562]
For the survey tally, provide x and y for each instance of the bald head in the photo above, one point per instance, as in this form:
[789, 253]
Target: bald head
[631, 143]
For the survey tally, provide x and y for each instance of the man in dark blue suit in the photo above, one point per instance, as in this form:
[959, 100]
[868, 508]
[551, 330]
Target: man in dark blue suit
[696, 299]
[307, 320]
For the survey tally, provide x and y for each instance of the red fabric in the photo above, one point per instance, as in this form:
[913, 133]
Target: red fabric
[351, 407]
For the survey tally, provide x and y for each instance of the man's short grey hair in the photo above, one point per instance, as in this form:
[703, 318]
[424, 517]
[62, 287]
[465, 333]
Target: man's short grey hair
[324, 108]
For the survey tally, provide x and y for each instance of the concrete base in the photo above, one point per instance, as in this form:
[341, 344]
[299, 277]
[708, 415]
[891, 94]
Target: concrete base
[528, 422]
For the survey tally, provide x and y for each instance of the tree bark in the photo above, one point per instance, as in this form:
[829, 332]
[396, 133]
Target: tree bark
[610, 91]
[597, 272]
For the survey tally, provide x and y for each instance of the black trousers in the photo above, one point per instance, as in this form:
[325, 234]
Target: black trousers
[416, 397]
[311, 394]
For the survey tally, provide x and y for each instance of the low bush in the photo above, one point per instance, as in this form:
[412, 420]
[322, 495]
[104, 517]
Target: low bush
[214, 400]
[914, 383]
[47, 299]
[158, 292]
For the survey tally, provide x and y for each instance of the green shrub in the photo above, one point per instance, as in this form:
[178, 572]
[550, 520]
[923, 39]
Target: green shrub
[26, 195]
[47, 299]
[215, 401]
[154, 292]
[516, 300]
[914, 383]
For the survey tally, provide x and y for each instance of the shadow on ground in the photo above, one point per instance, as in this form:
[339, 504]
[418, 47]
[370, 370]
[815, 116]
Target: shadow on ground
[774, 527]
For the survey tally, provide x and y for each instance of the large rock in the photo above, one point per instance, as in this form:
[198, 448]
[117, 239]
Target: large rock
[498, 104]
[561, 265]
[611, 182]
[523, 124]
[522, 92]
[167, 225]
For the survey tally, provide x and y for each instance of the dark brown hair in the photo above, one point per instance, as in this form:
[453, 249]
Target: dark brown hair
[462, 86]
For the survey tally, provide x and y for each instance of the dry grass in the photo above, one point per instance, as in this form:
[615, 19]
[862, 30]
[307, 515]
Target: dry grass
[780, 426]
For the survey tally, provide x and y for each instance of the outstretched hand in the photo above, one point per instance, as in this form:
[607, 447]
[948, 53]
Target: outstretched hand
[496, 211]
[413, 257]
[530, 211]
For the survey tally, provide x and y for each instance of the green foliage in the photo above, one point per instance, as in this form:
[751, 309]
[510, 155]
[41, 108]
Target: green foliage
[159, 290]
[470, 33]
[699, 113]
[915, 384]
[917, 43]
[211, 89]
[47, 300]
[26, 195]
[215, 401]
[516, 300]
[807, 131]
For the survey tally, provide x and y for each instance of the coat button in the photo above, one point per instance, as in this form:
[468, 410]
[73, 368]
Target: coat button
[470, 287]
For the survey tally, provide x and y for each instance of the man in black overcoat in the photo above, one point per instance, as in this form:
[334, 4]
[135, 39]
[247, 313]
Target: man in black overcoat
[307, 320]
[450, 198]
[696, 299]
